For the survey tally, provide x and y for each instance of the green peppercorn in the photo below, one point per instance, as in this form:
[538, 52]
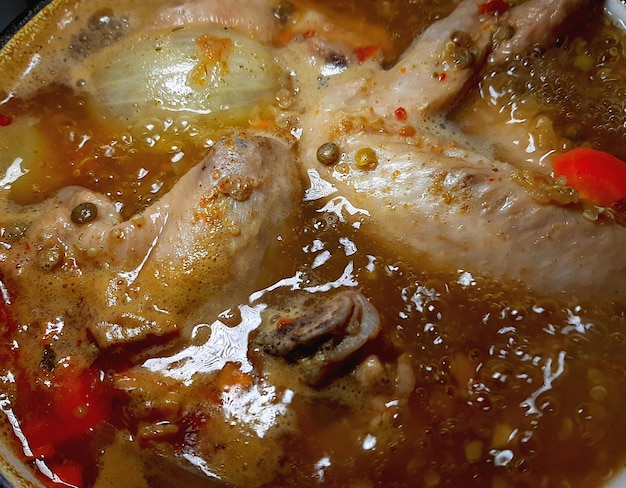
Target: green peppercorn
[50, 257]
[460, 50]
[328, 153]
[461, 39]
[366, 158]
[284, 10]
[503, 33]
[84, 213]
[13, 232]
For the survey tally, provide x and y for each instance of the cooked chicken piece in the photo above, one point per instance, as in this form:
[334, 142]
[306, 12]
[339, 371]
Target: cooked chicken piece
[465, 211]
[432, 73]
[249, 16]
[191, 248]
[262, 20]
[460, 209]
[536, 21]
[427, 79]
[430, 76]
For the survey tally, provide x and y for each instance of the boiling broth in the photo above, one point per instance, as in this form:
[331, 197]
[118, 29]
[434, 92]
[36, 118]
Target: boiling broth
[471, 381]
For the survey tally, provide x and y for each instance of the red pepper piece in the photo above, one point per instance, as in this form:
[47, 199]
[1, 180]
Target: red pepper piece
[493, 7]
[78, 404]
[68, 474]
[363, 53]
[597, 175]
[5, 120]
[401, 113]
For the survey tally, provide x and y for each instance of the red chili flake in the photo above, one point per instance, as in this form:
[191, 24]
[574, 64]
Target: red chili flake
[283, 322]
[493, 7]
[442, 77]
[5, 120]
[363, 53]
[400, 113]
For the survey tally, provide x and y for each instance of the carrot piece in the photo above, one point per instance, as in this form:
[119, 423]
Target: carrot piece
[597, 175]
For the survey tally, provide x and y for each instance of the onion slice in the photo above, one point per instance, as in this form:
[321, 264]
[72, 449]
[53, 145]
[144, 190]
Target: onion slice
[202, 71]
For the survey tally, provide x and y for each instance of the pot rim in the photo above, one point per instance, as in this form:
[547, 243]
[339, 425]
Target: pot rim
[33, 8]
[615, 8]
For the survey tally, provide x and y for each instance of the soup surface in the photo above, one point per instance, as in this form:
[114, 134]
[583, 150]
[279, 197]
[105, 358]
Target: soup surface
[314, 243]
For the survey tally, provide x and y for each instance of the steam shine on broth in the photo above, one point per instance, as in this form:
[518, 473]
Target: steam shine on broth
[235, 251]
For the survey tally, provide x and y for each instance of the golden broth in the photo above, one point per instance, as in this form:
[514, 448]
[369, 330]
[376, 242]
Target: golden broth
[471, 381]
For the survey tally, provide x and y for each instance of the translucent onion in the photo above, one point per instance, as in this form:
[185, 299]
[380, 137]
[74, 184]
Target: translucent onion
[21, 145]
[206, 72]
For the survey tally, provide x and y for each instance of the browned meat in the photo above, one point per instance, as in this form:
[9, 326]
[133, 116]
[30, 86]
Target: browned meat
[326, 336]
